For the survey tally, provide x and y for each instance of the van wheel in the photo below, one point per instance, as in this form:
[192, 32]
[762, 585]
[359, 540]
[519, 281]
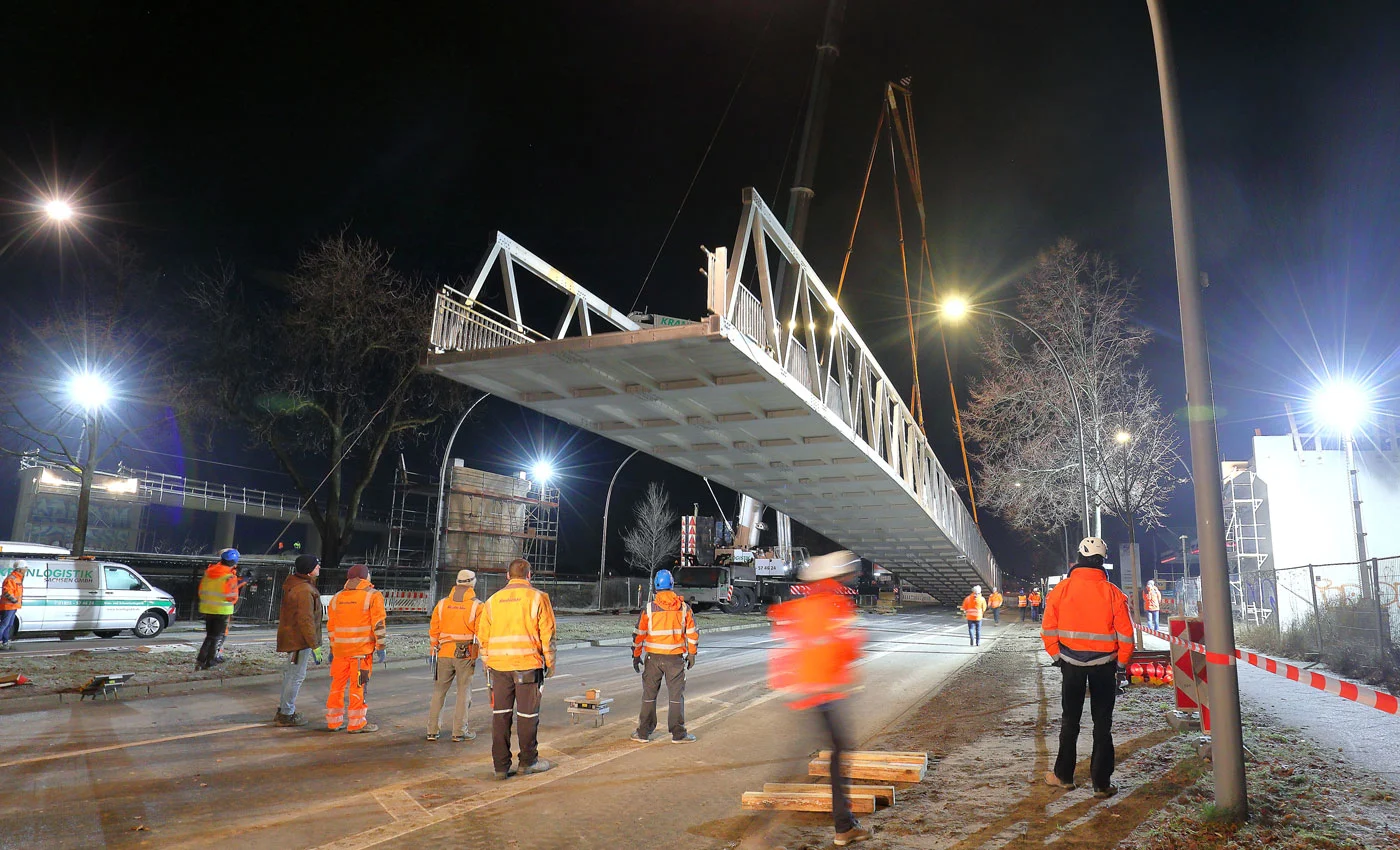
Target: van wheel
[107, 633]
[151, 624]
[67, 635]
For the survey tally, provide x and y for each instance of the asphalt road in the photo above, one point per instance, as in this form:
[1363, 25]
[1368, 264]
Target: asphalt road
[207, 769]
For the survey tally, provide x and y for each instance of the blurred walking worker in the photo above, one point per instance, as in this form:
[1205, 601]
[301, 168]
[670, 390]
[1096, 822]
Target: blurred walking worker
[218, 594]
[1152, 602]
[11, 600]
[298, 634]
[1089, 634]
[1035, 604]
[819, 645]
[994, 605]
[356, 623]
[666, 634]
[973, 606]
[452, 640]
[516, 632]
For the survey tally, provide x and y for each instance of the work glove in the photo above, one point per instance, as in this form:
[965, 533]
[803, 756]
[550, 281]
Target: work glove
[381, 655]
[548, 672]
[318, 655]
[1058, 662]
[636, 663]
[690, 661]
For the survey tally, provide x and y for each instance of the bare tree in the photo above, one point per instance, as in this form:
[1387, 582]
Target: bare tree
[654, 537]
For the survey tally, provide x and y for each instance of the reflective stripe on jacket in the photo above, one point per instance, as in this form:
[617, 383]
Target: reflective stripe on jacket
[12, 592]
[820, 643]
[666, 628]
[994, 601]
[1086, 620]
[355, 620]
[973, 606]
[218, 590]
[454, 621]
[1035, 598]
[516, 628]
[1021, 601]
[1152, 599]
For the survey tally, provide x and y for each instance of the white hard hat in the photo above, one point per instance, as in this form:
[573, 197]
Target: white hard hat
[1091, 546]
[977, 588]
[833, 565]
[466, 577]
[1151, 583]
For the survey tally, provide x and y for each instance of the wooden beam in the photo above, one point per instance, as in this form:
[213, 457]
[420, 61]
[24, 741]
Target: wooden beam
[875, 771]
[883, 756]
[763, 801]
[883, 794]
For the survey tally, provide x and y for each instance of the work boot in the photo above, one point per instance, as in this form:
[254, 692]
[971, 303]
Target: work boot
[464, 735]
[297, 719]
[1105, 793]
[368, 727]
[432, 736]
[540, 766]
[854, 835]
[1055, 781]
[688, 739]
[639, 738]
[503, 775]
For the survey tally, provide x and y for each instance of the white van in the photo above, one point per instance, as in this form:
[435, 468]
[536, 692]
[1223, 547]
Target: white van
[68, 596]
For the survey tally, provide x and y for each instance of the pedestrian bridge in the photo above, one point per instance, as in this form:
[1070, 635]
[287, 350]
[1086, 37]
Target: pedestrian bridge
[782, 402]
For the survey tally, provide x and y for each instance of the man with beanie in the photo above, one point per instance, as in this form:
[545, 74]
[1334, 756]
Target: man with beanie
[298, 634]
[356, 624]
[452, 637]
[1088, 632]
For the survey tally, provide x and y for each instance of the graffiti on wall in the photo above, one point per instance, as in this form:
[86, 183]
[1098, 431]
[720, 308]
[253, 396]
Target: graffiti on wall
[54, 518]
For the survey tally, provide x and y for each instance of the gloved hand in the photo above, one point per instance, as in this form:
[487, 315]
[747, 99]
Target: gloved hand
[1058, 662]
[690, 661]
[548, 672]
[636, 663]
[381, 655]
[318, 655]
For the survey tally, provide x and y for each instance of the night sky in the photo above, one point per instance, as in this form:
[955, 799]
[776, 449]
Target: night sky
[246, 131]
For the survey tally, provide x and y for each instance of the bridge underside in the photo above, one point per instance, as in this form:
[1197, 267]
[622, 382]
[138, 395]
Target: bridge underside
[705, 398]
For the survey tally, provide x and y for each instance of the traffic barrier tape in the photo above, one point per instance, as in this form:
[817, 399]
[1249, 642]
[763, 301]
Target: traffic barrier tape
[1346, 690]
[405, 600]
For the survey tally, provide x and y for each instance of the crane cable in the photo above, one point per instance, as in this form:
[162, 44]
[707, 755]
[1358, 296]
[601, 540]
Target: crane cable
[915, 399]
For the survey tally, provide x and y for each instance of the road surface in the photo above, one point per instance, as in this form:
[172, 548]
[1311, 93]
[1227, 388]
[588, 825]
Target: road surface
[207, 769]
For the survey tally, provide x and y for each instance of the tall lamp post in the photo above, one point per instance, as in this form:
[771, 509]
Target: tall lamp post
[441, 495]
[956, 308]
[90, 392]
[1344, 406]
[607, 502]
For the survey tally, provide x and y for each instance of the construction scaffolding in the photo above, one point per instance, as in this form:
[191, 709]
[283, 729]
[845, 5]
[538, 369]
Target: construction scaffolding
[493, 519]
[410, 515]
[1247, 543]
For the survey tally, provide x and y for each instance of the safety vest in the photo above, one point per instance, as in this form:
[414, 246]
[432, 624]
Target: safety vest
[218, 590]
[820, 643]
[12, 586]
[355, 620]
[1035, 598]
[516, 629]
[1021, 601]
[666, 628]
[1086, 621]
[1152, 598]
[454, 621]
[973, 606]
[995, 601]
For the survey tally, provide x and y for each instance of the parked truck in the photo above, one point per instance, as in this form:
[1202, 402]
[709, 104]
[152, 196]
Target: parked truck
[714, 571]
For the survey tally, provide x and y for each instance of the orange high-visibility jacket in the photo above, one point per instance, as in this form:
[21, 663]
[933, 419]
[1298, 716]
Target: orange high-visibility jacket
[516, 629]
[1086, 620]
[1152, 599]
[820, 643]
[994, 601]
[666, 627]
[12, 588]
[973, 606]
[355, 620]
[1021, 601]
[454, 621]
[1035, 598]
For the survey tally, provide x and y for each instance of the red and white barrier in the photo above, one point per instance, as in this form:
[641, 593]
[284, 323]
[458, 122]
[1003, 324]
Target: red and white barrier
[1346, 690]
[412, 601]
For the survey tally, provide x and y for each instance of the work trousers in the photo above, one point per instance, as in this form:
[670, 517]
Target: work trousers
[350, 676]
[1153, 621]
[1035, 613]
[215, 627]
[672, 669]
[834, 726]
[511, 699]
[1023, 613]
[451, 670]
[974, 632]
[7, 622]
[293, 674]
[996, 616]
[1101, 682]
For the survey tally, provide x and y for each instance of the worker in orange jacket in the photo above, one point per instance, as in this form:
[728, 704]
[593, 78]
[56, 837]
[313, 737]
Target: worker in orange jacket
[666, 634]
[452, 640]
[819, 647]
[516, 633]
[973, 606]
[1089, 634]
[994, 603]
[1035, 600]
[218, 595]
[11, 600]
[355, 621]
[1022, 603]
[1152, 602]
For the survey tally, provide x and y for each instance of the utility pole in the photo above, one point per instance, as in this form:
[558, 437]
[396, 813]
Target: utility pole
[1227, 750]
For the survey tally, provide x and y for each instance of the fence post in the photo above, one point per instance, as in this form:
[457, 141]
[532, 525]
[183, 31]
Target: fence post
[1317, 612]
[1380, 613]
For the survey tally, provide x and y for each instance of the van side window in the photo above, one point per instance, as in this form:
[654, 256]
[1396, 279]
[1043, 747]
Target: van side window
[119, 578]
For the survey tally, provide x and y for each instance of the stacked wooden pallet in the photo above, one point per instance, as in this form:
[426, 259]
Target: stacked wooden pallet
[861, 764]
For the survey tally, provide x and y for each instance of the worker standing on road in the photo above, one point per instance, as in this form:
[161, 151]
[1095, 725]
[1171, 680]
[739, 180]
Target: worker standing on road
[973, 606]
[298, 634]
[516, 632]
[1152, 601]
[666, 633]
[1089, 634]
[820, 645]
[1035, 604]
[452, 638]
[356, 624]
[11, 600]
[218, 593]
[1022, 603]
[994, 605]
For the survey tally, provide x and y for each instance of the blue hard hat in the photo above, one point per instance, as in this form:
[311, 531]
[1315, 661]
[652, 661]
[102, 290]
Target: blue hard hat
[228, 556]
[663, 580]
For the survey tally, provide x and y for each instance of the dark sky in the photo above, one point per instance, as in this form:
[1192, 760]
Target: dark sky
[245, 131]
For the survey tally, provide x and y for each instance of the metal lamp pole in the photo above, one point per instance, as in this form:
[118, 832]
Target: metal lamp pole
[92, 423]
[607, 503]
[1228, 749]
[441, 495]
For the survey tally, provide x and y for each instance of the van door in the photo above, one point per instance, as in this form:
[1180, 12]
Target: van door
[124, 597]
[72, 595]
[32, 608]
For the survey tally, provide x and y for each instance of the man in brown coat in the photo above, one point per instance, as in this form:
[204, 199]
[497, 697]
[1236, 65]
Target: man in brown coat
[298, 634]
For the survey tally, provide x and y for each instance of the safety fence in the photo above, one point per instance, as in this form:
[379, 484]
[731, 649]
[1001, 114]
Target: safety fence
[1324, 609]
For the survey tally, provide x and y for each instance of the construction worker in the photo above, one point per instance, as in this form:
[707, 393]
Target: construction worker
[355, 622]
[1089, 634]
[1022, 603]
[11, 600]
[516, 633]
[820, 645]
[973, 606]
[298, 634]
[1152, 601]
[994, 605]
[667, 635]
[452, 638]
[1035, 604]
[218, 594]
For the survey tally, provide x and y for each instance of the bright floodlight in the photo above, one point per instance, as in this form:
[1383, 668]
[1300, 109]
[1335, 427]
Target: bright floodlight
[58, 210]
[1342, 405]
[90, 391]
[955, 307]
[1123, 437]
[542, 471]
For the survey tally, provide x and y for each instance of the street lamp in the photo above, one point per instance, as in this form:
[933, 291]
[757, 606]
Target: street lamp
[89, 391]
[1344, 406]
[955, 308]
[542, 471]
[607, 502]
[441, 495]
[1123, 437]
[58, 210]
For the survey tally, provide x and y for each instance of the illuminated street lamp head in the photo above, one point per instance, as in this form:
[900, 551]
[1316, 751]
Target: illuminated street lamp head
[1342, 405]
[542, 471]
[955, 308]
[89, 391]
[58, 210]
[1123, 437]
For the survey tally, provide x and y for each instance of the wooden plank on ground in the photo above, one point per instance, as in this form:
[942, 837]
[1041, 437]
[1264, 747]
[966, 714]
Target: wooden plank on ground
[883, 794]
[879, 756]
[876, 772]
[861, 804]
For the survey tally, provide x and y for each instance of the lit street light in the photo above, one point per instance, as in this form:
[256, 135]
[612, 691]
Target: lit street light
[1123, 437]
[58, 210]
[542, 471]
[90, 392]
[1344, 406]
